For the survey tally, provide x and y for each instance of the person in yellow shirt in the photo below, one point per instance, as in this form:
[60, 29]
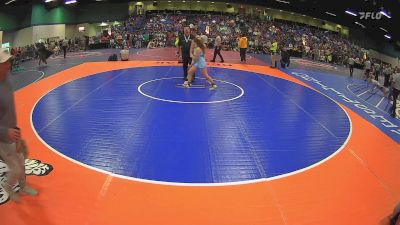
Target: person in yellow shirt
[243, 43]
[274, 56]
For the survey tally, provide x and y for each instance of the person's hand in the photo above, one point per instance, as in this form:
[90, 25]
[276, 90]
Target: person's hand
[14, 134]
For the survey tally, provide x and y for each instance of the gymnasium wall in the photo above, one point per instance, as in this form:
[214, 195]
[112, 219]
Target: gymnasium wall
[91, 29]
[48, 31]
[32, 34]
[41, 15]
[19, 38]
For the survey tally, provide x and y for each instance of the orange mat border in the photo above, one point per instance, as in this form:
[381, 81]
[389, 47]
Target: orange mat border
[359, 186]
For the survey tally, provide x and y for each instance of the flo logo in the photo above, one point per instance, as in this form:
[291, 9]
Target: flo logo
[370, 15]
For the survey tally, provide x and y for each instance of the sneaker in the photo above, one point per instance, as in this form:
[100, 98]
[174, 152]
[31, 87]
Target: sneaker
[29, 191]
[212, 60]
[222, 61]
[213, 87]
[186, 84]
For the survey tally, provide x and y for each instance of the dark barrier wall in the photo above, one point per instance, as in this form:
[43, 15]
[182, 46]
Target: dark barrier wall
[38, 14]
[8, 22]
[59, 15]
[102, 12]
[12, 18]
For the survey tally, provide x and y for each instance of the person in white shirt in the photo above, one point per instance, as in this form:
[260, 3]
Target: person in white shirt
[396, 90]
[65, 47]
[351, 65]
[124, 53]
[217, 49]
[378, 85]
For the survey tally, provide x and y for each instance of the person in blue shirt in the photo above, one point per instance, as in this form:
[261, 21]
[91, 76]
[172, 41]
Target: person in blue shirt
[199, 62]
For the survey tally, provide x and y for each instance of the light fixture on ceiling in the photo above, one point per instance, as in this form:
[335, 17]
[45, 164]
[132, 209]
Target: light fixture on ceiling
[10, 2]
[281, 1]
[388, 36]
[362, 25]
[350, 13]
[329, 13]
[67, 2]
[383, 29]
[383, 12]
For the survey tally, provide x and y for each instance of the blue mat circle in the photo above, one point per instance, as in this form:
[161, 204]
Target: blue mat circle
[277, 128]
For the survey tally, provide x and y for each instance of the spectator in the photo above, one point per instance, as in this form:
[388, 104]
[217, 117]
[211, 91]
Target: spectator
[243, 44]
[396, 90]
[10, 135]
[351, 65]
[124, 53]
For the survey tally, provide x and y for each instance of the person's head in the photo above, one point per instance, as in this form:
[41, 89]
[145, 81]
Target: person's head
[5, 64]
[186, 30]
[243, 35]
[199, 43]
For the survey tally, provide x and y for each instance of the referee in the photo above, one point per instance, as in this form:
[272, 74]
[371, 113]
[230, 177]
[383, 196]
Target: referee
[185, 47]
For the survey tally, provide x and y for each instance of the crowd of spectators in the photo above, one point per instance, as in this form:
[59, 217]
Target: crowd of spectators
[155, 31]
[162, 30]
